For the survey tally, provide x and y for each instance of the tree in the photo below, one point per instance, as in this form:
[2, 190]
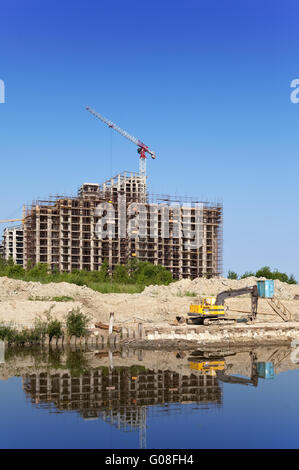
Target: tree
[265, 271]
[247, 274]
[292, 279]
[232, 275]
[147, 273]
[54, 329]
[104, 271]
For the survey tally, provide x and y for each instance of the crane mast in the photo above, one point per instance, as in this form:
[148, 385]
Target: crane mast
[142, 148]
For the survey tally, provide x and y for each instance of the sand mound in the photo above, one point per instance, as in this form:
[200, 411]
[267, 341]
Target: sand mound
[156, 304]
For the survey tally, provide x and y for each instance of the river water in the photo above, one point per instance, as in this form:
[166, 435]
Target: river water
[221, 398]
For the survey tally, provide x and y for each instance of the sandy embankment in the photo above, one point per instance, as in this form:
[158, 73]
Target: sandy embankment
[155, 305]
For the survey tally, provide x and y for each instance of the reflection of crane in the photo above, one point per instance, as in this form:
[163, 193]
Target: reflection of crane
[142, 148]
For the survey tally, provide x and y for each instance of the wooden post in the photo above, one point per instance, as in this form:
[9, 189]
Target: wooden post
[111, 321]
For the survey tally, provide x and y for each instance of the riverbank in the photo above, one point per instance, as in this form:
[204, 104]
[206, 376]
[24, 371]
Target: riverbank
[221, 335]
[156, 308]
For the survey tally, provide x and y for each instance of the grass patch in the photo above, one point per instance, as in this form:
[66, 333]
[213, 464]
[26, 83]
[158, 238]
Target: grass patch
[190, 294]
[187, 294]
[63, 298]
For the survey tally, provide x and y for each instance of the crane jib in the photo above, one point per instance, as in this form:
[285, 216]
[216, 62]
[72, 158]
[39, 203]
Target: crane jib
[142, 148]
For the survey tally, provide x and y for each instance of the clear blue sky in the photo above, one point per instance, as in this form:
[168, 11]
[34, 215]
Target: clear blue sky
[206, 84]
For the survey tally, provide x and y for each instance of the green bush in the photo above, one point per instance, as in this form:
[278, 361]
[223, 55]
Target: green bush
[7, 333]
[32, 335]
[76, 323]
[54, 329]
[39, 271]
[120, 274]
[15, 271]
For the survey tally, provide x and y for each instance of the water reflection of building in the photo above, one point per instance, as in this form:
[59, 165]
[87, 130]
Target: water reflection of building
[119, 396]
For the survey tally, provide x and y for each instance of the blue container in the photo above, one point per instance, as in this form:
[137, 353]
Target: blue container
[266, 288]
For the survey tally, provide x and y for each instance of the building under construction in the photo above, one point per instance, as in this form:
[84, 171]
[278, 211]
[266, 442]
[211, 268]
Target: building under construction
[118, 221]
[13, 243]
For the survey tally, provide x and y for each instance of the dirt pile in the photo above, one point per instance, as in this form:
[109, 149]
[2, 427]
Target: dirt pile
[214, 286]
[156, 304]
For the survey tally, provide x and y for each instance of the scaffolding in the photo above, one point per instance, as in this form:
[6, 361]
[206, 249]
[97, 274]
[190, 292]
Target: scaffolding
[118, 221]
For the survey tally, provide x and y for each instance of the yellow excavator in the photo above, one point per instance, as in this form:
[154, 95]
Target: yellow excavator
[211, 309]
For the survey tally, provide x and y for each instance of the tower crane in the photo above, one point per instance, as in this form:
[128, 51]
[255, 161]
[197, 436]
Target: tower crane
[5, 221]
[142, 148]
[10, 220]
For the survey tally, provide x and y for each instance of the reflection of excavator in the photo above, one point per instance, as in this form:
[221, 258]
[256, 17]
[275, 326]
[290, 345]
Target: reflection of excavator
[211, 309]
[259, 370]
[208, 363]
[214, 365]
[233, 379]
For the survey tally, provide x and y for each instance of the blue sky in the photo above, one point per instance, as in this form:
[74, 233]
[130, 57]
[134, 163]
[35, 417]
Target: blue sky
[206, 84]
